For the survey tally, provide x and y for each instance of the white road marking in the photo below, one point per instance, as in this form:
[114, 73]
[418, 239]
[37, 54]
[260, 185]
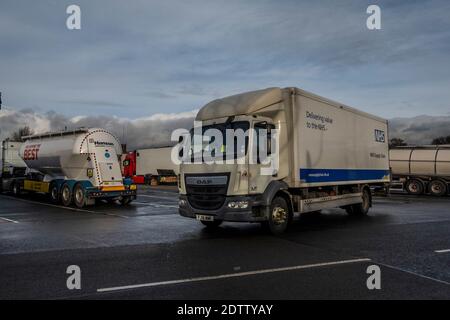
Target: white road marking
[157, 197]
[62, 207]
[413, 273]
[156, 205]
[9, 220]
[233, 275]
[442, 251]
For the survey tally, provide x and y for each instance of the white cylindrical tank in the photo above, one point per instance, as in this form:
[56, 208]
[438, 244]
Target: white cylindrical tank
[423, 161]
[83, 154]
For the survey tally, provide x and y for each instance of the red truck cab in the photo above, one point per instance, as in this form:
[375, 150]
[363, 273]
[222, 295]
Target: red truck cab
[129, 168]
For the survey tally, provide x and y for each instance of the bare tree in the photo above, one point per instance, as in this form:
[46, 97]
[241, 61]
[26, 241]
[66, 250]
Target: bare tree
[397, 142]
[24, 131]
[441, 140]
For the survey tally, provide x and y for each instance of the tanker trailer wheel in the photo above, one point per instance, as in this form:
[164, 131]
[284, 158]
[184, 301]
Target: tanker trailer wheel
[54, 193]
[125, 201]
[66, 195]
[360, 209]
[437, 188]
[279, 216]
[16, 189]
[79, 196]
[414, 187]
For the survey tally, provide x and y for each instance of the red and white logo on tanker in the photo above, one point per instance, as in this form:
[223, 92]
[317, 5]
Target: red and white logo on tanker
[31, 152]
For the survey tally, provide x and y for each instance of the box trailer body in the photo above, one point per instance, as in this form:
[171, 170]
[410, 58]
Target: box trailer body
[330, 155]
[421, 169]
[156, 165]
[75, 167]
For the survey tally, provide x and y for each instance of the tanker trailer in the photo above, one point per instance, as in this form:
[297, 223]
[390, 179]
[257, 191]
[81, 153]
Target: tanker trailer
[76, 167]
[421, 169]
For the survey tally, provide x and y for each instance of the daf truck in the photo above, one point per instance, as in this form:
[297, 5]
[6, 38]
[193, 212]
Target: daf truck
[329, 155]
[74, 167]
[421, 169]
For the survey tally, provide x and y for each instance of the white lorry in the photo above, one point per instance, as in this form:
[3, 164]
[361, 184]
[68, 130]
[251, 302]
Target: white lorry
[76, 167]
[421, 169]
[12, 165]
[156, 164]
[330, 155]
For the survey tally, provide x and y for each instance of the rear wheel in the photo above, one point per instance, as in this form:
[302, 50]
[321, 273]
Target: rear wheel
[79, 196]
[360, 209]
[212, 224]
[437, 188]
[414, 187]
[66, 195]
[279, 216]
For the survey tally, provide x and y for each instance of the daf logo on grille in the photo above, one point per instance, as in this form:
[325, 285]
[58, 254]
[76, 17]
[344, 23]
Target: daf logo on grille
[206, 181]
[209, 181]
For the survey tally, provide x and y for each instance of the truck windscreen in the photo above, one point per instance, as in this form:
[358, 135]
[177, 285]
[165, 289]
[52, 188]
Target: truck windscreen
[221, 141]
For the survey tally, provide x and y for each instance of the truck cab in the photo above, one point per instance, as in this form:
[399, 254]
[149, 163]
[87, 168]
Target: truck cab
[230, 191]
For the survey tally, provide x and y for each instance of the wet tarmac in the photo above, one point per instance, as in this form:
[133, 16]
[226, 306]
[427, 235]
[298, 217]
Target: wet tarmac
[147, 251]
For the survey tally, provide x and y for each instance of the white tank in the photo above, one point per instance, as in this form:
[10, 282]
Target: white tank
[424, 161]
[83, 154]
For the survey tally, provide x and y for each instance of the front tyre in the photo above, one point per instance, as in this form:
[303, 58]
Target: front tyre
[16, 189]
[278, 216]
[79, 196]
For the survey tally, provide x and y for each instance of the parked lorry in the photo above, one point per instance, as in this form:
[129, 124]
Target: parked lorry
[330, 155]
[151, 166]
[12, 166]
[74, 167]
[421, 169]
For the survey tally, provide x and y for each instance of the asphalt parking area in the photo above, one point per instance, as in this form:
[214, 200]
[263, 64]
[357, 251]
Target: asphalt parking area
[146, 250]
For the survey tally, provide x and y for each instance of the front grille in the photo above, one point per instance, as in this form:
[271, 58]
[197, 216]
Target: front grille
[210, 197]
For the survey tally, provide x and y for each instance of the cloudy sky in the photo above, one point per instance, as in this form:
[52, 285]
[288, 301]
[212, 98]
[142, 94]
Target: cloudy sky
[136, 58]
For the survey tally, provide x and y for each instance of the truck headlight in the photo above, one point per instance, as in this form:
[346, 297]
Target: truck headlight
[243, 204]
[182, 202]
[238, 204]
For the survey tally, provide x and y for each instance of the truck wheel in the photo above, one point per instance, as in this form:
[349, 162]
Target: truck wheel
[437, 188]
[79, 196]
[279, 216]
[125, 201]
[414, 187]
[66, 195]
[360, 209]
[212, 224]
[54, 193]
[15, 189]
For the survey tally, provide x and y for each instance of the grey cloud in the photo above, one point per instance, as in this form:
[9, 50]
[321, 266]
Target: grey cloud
[177, 55]
[139, 133]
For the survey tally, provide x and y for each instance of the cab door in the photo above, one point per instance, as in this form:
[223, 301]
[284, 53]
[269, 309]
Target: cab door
[260, 155]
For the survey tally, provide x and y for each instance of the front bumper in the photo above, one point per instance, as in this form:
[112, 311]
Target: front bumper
[254, 212]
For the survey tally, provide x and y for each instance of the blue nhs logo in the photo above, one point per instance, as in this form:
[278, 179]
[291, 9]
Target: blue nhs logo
[380, 136]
